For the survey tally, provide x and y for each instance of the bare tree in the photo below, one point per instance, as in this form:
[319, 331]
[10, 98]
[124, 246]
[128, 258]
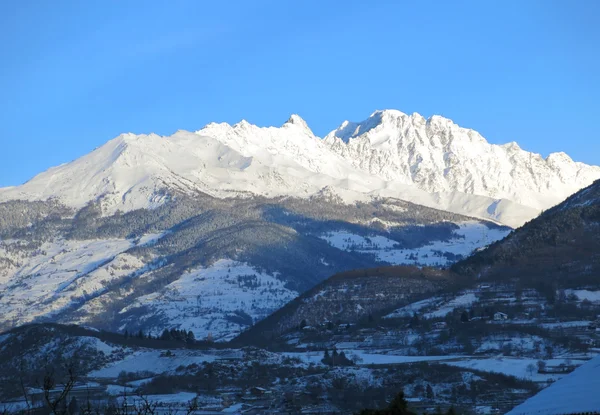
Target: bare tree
[531, 369]
[56, 403]
[25, 395]
[144, 407]
[541, 365]
[192, 406]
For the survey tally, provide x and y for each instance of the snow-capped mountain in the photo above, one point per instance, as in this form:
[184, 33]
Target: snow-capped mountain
[430, 162]
[139, 171]
[437, 155]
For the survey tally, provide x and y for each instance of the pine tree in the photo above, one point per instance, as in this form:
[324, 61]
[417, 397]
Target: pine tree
[429, 391]
[326, 360]
[464, 317]
[166, 335]
[399, 404]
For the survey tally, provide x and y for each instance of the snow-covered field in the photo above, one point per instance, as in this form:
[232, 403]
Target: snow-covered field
[593, 296]
[470, 236]
[513, 366]
[437, 306]
[565, 324]
[61, 273]
[415, 307]
[366, 358]
[574, 393]
[520, 367]
[464, 300]
[151, 361]
[220, 300]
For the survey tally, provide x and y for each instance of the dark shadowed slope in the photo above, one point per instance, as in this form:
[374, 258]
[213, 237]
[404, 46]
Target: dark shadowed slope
[556, 251]
[559, 249]
[350, 296]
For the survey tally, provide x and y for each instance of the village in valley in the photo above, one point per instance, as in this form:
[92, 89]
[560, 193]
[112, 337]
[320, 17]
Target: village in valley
[481, 350]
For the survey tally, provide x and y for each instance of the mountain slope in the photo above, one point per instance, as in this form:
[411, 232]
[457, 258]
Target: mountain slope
[559, 249]
[349, 297]
[212, 231]
[206, 264]
[430, 162]
[558, 252]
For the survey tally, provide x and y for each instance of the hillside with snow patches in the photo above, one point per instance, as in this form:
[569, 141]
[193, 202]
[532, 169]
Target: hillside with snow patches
[432, 162]
[238, 269]
[211, 231]
[207, 265]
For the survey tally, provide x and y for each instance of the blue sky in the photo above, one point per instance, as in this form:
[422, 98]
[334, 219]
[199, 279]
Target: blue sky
[74, 74]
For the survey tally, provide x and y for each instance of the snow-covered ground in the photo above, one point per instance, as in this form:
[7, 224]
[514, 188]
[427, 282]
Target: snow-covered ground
[437, 306]
[166, 399]
[368, 358]
[519, 343]
[220, 300]
[593, 296]
[574, 393]
[415, 307]
[151, 361]
[464, 300]
[565, 324]
[61, 273]
[471, 236]
[513, 366]
[14, 406]
[387, 359]
[97, 344]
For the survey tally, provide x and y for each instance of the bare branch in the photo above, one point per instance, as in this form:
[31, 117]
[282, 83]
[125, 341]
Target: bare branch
[49, 384]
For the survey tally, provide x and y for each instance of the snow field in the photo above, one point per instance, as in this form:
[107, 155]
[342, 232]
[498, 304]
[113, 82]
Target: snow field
[207, 300]
[470, 236]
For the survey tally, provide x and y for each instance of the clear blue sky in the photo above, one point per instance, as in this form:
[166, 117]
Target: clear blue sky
[74, 74]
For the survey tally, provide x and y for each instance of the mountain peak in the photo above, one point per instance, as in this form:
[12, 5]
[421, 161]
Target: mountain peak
[382, 114]
[560, 157]
[298, 121]
[512, 146]
[378, 120]
[243, 124]
[438, 155]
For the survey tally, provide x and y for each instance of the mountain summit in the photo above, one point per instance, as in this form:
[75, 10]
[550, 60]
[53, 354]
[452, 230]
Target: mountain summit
[436, 155]
[297, 121]
[433, 162]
